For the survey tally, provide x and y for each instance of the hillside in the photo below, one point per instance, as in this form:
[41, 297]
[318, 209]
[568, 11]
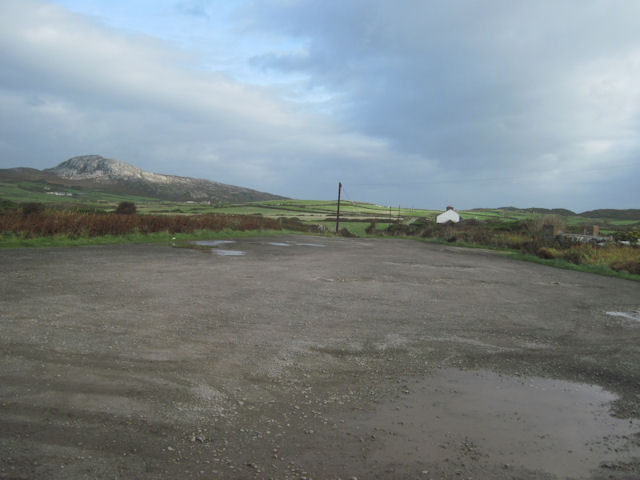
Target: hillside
[93, 172]
[611, 214]
[629, 214]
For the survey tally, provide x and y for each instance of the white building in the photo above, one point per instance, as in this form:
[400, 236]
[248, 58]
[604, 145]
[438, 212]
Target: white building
[450, 215]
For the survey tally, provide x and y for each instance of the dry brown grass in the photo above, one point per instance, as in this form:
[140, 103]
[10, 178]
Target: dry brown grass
[56, 222]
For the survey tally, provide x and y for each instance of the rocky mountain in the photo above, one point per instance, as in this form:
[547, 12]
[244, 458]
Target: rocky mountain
[114, 176]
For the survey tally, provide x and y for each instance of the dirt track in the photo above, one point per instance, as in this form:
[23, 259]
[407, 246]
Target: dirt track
[321, 358]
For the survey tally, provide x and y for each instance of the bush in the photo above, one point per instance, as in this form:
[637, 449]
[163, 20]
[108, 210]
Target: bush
[371, 228]
[31, 208]
[574, 255]
[548, 253]
[531, 246]
[631, 236]
[126, 208]
[631, 266]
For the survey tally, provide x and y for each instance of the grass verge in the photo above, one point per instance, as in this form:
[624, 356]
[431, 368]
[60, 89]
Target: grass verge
[62, 240]
[588, 268]
[598, 266]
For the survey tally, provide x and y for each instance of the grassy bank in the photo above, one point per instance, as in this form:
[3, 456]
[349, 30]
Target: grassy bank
[588, 268]
[597, 268]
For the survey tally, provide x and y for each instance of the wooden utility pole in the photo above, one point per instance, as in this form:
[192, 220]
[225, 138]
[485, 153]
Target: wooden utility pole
[338, 214]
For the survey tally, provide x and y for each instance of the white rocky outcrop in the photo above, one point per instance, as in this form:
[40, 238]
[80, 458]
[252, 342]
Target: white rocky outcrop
[123, 177]
[100, 168]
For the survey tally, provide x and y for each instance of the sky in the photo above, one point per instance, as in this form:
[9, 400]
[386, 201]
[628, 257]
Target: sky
[423, 104]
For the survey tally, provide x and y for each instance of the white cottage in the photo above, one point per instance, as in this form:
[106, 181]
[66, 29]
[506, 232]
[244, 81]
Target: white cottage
[449, 215]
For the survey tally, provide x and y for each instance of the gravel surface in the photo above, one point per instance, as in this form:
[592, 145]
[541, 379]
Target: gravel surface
[314, 357]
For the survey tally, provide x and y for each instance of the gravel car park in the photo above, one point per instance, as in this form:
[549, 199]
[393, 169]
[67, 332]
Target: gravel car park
[314, 357]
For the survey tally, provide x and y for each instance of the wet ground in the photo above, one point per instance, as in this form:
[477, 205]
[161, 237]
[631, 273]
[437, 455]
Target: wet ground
[314, 357]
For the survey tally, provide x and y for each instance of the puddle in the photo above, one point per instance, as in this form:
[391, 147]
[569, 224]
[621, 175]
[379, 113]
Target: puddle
[561, 428]
[283, 244]
[226, 253]
[212, 243]
[219, 251]
[630, 315]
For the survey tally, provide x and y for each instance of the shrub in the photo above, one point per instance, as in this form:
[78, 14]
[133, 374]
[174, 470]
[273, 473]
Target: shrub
[31, 208]
[126, 208]
[574, 255]
[547, 253]
[631, 236]
[371, 228]
[531, 246]
[631, 266]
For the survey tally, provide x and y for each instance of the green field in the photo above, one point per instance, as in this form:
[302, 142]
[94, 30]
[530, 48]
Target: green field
[39, 192]
[309, 211]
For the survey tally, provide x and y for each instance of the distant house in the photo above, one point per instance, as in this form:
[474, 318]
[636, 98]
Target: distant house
[449, 215]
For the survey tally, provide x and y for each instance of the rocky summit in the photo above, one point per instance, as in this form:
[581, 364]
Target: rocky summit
[97, 167]
[119, 177]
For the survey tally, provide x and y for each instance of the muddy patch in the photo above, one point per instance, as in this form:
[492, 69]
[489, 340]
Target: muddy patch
[536, 424]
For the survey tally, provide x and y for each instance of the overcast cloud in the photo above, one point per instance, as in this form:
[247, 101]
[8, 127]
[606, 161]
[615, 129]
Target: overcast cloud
[413, 103]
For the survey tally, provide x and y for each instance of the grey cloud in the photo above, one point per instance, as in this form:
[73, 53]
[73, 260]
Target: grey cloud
[470, 84]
